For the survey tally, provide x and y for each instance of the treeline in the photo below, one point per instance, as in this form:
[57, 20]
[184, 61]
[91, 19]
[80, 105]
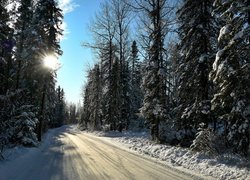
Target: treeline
[186, 76]
[29, 101]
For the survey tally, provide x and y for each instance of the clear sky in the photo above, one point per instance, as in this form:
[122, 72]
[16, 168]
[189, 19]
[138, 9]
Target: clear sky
[76, 59]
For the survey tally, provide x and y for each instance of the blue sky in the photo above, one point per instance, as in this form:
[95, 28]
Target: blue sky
[76, 59]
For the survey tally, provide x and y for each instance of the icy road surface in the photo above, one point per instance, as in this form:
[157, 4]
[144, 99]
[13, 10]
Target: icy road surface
[72, 155]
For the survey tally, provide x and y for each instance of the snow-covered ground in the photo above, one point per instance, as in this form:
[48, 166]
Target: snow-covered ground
[67, 153]
[19, 151]
[227, 166]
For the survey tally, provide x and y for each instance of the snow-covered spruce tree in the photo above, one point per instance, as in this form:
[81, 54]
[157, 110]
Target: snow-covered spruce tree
[101, 98]
[125, 97]
[110, 75]
[97, 98]
[23, 119]
[205, 141]
[135, 83]
[91, 115]
[85, 116]
[231, 74]
[196, 31]
[94, 80]
[112, 97]
[154, 103]
[20, 119]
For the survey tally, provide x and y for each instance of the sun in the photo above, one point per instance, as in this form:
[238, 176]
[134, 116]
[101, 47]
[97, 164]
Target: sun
[51, 62]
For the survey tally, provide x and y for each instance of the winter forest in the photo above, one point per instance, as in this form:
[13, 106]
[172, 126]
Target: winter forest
[184, 76]
[179, 69]
[30, 102]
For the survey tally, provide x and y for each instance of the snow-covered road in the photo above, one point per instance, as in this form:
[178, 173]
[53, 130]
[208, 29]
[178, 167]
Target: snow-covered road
[72, 155]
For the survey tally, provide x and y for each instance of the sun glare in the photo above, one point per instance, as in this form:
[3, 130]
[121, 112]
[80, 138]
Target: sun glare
[51, 62]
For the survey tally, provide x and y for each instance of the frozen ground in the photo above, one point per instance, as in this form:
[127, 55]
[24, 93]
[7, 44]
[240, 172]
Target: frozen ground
[227, 166]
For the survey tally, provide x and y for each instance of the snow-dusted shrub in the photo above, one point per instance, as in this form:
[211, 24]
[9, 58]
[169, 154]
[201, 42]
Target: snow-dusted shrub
[205, 141]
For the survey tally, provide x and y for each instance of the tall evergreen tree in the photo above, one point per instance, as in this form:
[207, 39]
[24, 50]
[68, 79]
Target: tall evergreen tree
[109, 78]
[196, 31]
[231, 72]
[6, 74]
[135, 82]
[154, 103]
[95, 98]
[85, 112]
[112, 97]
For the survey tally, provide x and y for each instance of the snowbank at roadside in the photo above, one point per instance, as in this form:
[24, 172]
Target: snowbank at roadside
[227, 166]
[17, 152]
